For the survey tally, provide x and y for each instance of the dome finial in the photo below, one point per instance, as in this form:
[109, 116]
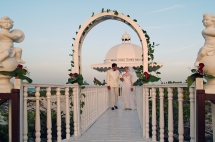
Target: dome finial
[126, 37]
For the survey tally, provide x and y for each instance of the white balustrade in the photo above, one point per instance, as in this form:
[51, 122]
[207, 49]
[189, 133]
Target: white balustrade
[180, 116]
[170, 115]
[96, 103]
[147, 112]
[192, 114]
[145, 121]
[58, 115]
[161, 90]
[37, 116]
[49, 120]
[25, 113]
[154, 122]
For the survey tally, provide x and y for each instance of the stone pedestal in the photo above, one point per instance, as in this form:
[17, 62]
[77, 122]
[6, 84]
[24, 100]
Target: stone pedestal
[9, 64]
[5, 85]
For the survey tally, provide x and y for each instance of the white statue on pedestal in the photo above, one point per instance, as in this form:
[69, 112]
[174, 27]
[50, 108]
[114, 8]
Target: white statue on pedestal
[206, 54]
[10, 56]
[209, 34]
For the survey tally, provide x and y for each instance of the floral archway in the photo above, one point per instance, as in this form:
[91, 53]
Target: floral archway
[98, 18]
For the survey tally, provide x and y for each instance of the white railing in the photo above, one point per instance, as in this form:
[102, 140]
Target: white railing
[96, 103]
[64, 100]
[58, 102]
[148, 93]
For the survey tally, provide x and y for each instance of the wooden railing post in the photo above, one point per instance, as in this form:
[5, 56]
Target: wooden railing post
[14, 96]
[200, 111]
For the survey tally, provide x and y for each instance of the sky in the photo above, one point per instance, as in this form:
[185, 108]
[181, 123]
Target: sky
[50, 25]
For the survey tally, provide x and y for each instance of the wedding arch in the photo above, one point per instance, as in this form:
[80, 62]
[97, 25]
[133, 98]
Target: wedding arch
[98, 18]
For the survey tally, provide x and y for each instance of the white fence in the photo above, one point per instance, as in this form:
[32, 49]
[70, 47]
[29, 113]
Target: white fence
[147, 93]
[96, 103]
[65, 101]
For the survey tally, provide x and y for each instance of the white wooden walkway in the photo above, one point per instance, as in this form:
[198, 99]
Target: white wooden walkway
[115, 126]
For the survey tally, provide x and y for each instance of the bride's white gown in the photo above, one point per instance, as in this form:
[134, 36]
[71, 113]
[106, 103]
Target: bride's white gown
[128, 98]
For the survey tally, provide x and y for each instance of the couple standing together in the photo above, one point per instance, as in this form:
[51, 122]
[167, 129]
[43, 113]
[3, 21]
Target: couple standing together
[113, 77]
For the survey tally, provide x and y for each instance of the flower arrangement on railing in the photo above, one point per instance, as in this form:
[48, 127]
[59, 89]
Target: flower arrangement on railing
[198, 73]
[145, 78]
[97, 82]
[77, 78]
[20, 72]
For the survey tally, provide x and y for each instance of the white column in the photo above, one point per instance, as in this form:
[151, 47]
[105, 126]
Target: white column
[37, 117]
[96, 103]
[67, 113]
[147, 112]
[161, 90]
[25, 115]
[170, 115]
[49, 120]
[154, 114]
[192, 115]
[58, 115]
[180, 115]
[76, 103]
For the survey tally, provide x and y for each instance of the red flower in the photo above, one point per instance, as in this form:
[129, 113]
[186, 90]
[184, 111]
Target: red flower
[145, 73]
[75, 74]
[103, 80]
[201, 65]
[200, 71]
[147, 76]
[94, 78]
[70, 74]
[19, 66]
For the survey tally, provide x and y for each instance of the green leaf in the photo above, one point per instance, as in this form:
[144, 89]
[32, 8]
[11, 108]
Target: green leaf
[82, 87]
[116, 13]
[158, 73]
[70, 55]
[209, 76]
[153, 78]
[190, 80]
[84, 95]
[135, 20]
[69, 69]
[194, 70]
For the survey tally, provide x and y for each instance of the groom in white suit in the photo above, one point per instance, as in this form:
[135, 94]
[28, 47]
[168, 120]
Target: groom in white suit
[112, 78]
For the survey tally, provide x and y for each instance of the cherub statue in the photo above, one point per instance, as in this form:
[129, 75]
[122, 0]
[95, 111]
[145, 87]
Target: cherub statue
[209, 35]
[7, 38]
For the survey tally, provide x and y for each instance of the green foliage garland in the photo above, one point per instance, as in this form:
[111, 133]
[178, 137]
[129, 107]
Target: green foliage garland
[19, 72]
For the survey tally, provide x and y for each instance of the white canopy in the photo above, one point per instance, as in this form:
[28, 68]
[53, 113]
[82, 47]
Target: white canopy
[125, 54]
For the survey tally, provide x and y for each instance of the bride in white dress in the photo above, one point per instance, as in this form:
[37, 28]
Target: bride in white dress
[128, 98]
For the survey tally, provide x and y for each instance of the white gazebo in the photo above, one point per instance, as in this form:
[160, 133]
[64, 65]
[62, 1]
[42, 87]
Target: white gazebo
[124, 54]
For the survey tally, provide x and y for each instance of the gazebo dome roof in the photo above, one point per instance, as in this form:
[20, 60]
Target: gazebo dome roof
[126, 37]
[125, 52]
